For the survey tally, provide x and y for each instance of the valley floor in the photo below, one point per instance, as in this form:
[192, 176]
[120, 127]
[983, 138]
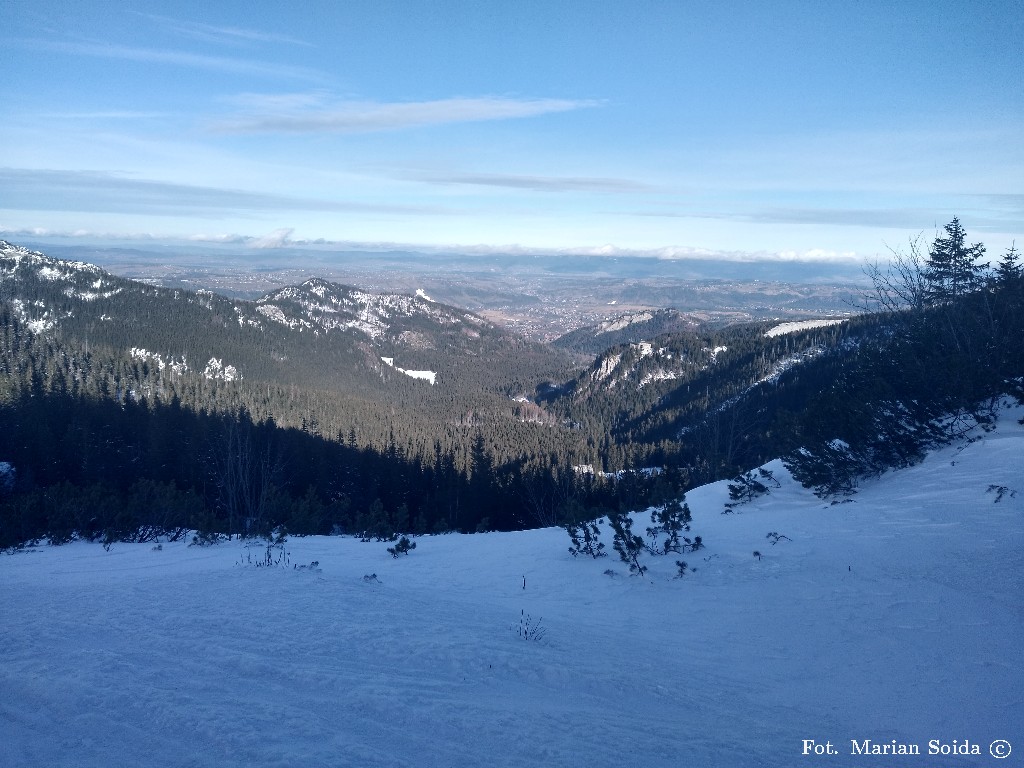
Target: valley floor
[896, 616]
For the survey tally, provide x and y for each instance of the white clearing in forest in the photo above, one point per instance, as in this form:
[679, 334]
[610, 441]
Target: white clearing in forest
[896, 616]
[430, 376]
[802, 325]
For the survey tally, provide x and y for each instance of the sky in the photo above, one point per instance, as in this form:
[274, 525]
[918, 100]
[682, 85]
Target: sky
[773, 130]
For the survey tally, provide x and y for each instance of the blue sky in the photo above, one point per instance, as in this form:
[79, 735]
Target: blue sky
[766, 129]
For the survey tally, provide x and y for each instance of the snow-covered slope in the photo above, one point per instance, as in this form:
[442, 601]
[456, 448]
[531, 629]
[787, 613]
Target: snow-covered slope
[634, 366]
[896, 616]
[629, 328]
[321, 305]
[74, 280]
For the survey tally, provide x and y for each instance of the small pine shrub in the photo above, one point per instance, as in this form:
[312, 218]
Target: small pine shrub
[208, 538]
[745, 488]
[376, 525]
[626, 543]
[775, 537]
[586, 539]
[402, 547]
[831, 469]
[1001, 491]
[669, 521]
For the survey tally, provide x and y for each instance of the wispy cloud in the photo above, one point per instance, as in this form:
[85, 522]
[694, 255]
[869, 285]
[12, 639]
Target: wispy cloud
[102, 192]
[109, 114]
[276, 116]
[180, 58]
[540, 183]
[279, 238]
[217, 34]
[883, 218]
[1010, 207]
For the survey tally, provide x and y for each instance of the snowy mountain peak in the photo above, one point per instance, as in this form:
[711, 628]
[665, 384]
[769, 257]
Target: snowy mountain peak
[15, 260]
[323, 306]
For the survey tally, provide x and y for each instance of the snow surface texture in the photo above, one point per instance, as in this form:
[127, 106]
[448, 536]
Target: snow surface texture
[895, 616]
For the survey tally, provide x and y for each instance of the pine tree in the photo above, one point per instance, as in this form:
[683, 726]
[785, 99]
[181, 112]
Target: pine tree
[669, 520]
[626, 543]
[951, 270]
[1010, 272]
[402, 547]
[586, 539]
[746, 487]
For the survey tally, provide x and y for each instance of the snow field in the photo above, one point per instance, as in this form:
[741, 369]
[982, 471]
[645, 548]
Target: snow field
[895, 616]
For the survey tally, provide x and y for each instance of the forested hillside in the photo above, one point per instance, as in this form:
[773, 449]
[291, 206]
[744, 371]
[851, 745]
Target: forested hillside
[625, 329]
[229, 407]
[128, 410]
[939, 334]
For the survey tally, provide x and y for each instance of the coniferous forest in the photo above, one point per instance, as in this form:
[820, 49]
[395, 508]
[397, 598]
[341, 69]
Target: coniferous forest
[129, 412]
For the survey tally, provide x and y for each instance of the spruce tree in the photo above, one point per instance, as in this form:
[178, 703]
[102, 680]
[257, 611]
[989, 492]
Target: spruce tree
[1010, 272]
[951, 270]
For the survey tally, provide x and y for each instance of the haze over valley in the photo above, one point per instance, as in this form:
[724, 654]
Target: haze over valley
[539, 296]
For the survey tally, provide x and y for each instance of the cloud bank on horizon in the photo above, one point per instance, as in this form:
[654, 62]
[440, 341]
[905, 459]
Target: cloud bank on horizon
[657, 128]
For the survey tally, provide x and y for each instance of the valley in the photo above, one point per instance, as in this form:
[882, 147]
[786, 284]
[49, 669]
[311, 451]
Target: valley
[539, 297]
[443, 419]
[511, 384]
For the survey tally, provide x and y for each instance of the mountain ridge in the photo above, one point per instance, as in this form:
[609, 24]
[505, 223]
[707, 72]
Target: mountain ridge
[356, 326]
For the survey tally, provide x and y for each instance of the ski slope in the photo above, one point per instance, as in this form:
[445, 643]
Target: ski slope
[896, 616]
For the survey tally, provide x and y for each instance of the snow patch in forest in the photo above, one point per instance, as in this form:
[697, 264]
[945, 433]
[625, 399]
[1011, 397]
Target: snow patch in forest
[176, 366]
[430, 376]
[802, 325]
[216, 370]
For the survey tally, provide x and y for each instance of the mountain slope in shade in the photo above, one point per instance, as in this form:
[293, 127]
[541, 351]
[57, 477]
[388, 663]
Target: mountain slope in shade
[892, 618]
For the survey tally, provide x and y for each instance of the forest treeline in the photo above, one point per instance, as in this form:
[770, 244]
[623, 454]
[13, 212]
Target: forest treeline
[100, 442]
[96, 468]
[938, 333]
[949, 345]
